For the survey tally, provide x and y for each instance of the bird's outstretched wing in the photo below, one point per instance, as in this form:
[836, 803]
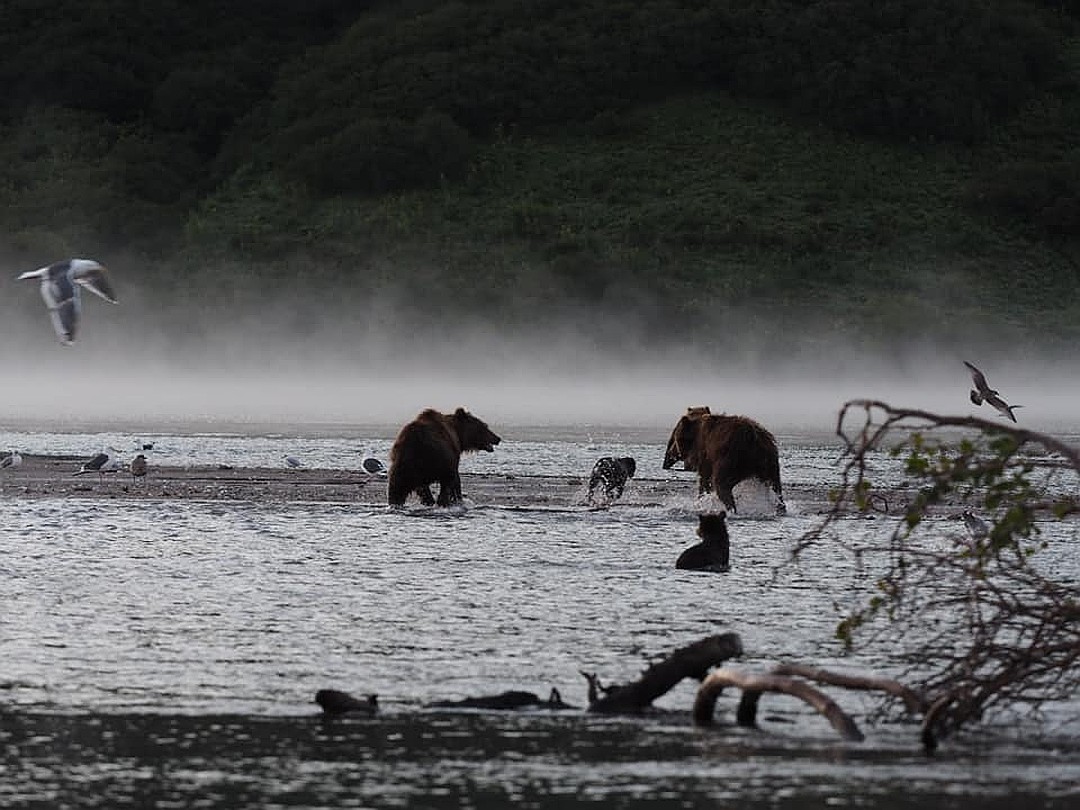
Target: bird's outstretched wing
[94, 464]
[979, 380]
[93, 277]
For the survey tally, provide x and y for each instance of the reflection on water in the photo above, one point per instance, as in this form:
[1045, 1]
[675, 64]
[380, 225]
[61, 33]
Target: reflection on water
[166, 653]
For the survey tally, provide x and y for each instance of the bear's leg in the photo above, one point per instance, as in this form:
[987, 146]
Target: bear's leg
[723, 486]
[781, 507]
[396, 492]
[450, 490]
[425, 496]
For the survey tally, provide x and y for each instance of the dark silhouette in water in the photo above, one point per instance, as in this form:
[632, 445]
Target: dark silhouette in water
[511, 699]
[711, 554]
[609, 476]
[725, 450]
[333, 701]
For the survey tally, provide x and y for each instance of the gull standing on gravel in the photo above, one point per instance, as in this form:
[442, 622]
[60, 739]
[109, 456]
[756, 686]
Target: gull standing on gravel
[103, 462]
[60, 283]
[372, 466]
[138, 467]
[982, 392]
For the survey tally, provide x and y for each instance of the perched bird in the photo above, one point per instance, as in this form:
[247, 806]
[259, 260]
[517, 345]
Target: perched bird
[292, 462]
[982, 392]
[60, 283]
[138, 467]
[372, 466]
[104, 462]
[13, 459]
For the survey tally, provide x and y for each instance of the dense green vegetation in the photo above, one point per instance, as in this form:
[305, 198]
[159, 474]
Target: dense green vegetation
[900, 165]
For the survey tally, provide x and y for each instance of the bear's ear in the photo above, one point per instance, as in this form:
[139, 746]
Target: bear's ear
[698, 410]
[460, 412]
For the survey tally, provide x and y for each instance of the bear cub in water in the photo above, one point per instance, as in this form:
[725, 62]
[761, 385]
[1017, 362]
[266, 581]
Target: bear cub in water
[711, 554]
[609, 476]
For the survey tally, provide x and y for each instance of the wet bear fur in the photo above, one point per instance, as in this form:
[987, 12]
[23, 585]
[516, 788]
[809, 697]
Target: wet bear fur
[609, 476]
[428, 450]
[712, 553]
[725, 450]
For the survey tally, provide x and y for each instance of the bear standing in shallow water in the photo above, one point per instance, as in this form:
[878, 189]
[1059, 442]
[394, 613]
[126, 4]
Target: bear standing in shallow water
[428, 450]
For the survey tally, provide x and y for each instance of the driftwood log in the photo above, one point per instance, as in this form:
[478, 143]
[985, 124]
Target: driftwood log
[754, 685]
[692, 661]
[333, 701]
[509, 700]
[913, 701]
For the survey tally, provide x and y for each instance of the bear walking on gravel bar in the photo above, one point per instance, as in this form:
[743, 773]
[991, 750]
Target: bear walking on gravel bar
[428, 450]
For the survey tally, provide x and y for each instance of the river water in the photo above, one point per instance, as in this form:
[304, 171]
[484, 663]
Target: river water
[165, 653]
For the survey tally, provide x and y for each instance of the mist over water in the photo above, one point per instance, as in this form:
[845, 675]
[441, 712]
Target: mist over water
[256, 362]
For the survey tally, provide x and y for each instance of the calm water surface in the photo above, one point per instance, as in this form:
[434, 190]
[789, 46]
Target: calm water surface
[166, 653]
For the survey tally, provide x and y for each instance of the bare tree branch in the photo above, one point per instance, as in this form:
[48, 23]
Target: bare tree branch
[692, 661]
[754, 685]
[982, 623]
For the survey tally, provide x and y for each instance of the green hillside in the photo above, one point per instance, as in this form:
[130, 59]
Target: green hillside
[871, 169]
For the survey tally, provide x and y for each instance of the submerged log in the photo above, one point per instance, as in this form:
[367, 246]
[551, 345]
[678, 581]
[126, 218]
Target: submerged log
[509, 700]
[913, 701]
[693, 661]
[333, 701]
[754, 685]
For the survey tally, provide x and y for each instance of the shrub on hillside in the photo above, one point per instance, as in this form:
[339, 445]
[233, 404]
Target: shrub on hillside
[379, 155]
[1043, 195]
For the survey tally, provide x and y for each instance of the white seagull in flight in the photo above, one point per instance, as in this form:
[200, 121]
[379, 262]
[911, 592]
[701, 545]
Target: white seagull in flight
[60, 283]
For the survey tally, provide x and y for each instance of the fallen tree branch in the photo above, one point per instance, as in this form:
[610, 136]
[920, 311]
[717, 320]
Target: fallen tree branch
[334, 701]
[504, 701]
[913, 701]
[754, 685]
[693, 661]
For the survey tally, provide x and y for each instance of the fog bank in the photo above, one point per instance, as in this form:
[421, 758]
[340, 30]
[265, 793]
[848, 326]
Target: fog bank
[327, 361]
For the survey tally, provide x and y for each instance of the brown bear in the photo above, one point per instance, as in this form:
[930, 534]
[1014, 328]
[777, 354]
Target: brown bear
[725, 450]
[712, 553]
[428, 450]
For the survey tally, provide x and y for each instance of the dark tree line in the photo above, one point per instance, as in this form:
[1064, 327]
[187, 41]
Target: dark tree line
[374, 97]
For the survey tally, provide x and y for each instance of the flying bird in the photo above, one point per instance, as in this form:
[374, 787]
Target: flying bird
[60, 283]
[138, 467]
[13, 459]
[101, 463]
[982, 392]
[372, 466]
